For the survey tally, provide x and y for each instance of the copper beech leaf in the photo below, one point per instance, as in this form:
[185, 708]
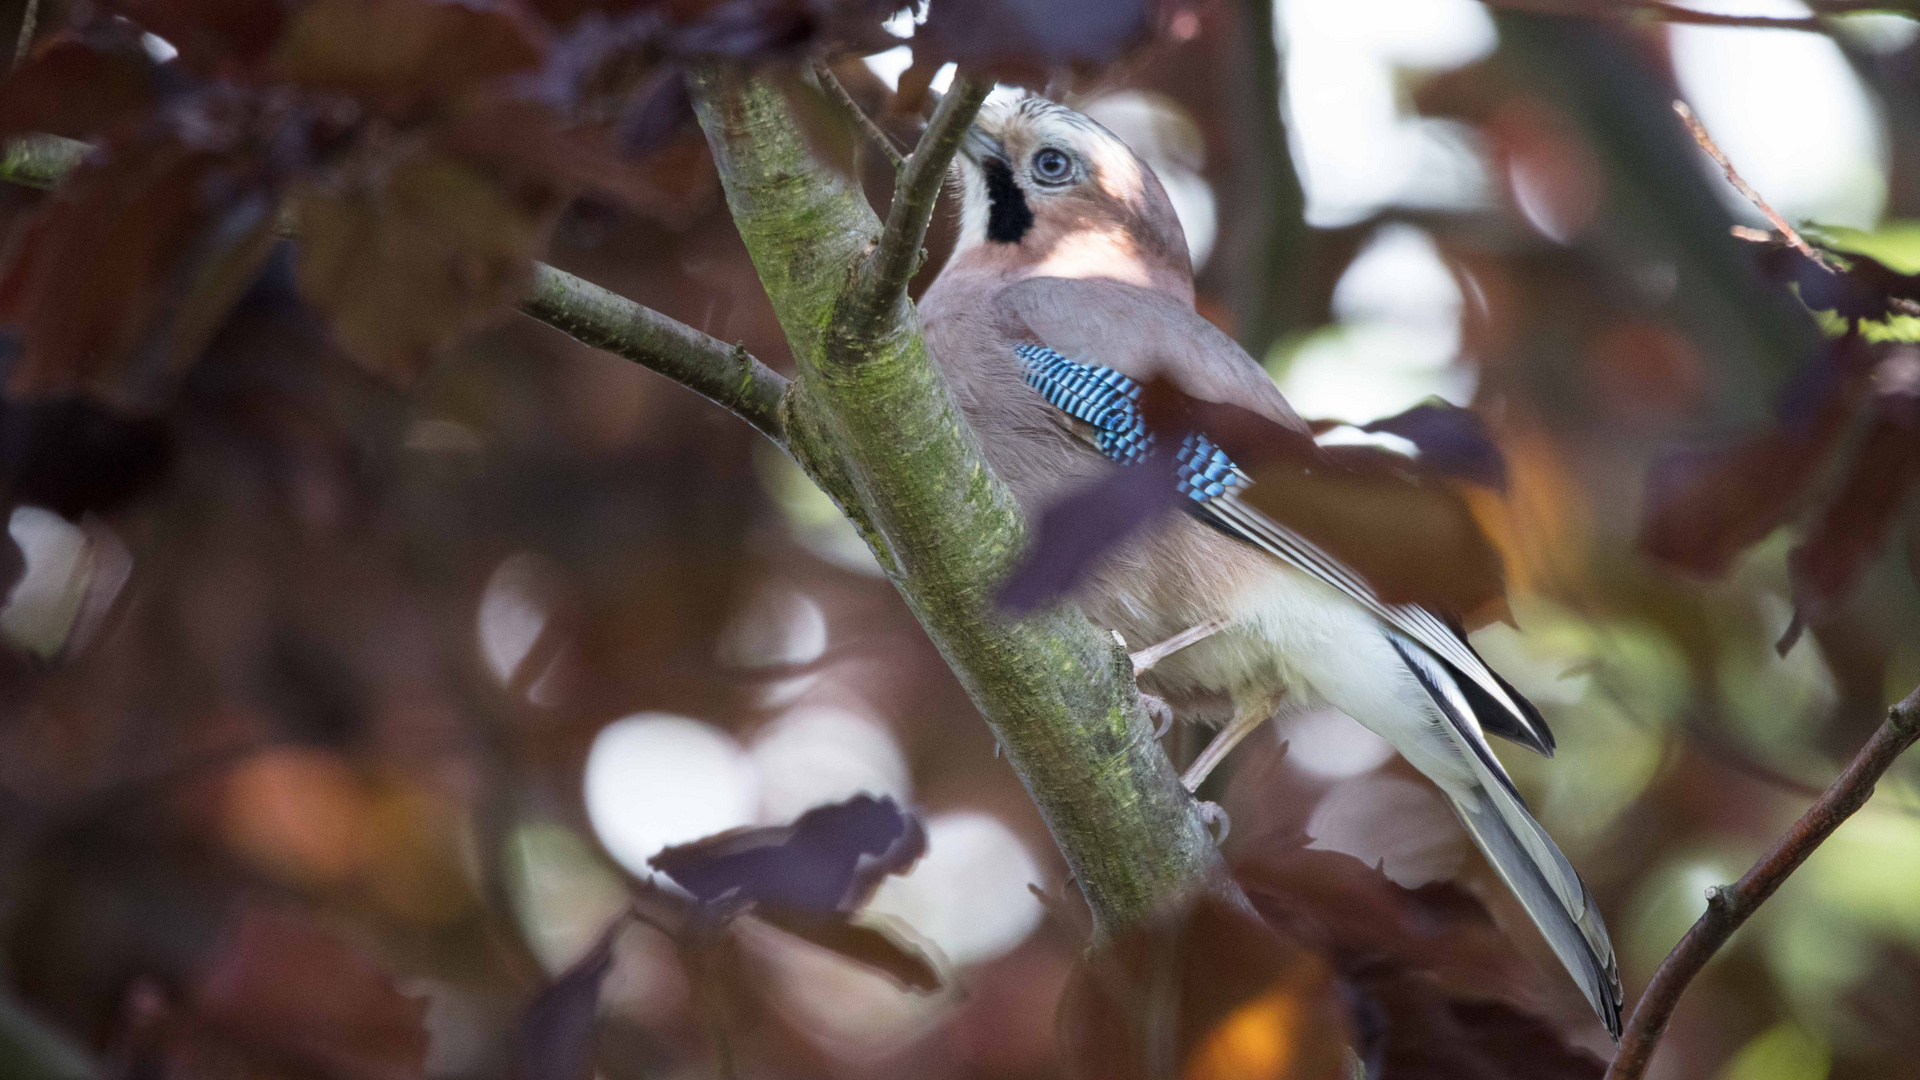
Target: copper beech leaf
[829, 860]
[291, 994]
[1404, 524]
[1705, 506]
[403, 261]
[879, 944]
[396, 54]
[1852, 528]
[1430, 973]
[556, 1032]
[1409, 533]
[78, 83]
[155, 242]
[811, 879]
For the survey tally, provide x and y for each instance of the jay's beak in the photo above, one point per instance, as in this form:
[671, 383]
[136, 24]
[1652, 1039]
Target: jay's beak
[978, 146]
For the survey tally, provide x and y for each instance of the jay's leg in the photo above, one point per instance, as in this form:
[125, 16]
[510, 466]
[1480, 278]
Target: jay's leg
[1248, 713]
[1145, 659]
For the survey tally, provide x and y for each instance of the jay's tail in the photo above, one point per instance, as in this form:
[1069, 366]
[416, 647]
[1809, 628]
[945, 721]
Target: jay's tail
[1521, 852]
[1555, 898]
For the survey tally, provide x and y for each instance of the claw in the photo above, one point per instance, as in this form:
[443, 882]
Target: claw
[1162, 714]
[1218, 823]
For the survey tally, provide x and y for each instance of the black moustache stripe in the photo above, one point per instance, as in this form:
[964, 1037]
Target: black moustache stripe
[1008, 215]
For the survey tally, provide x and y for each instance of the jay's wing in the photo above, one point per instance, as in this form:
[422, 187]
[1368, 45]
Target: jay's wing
[1141, 333]
[1106, 401]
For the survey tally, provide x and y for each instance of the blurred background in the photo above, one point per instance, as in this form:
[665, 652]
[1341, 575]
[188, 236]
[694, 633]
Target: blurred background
[395, 690]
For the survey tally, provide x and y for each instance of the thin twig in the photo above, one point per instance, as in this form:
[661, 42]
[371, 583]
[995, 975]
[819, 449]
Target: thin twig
[1728, 908]
[29, 20]
[725, 374]
[830, 83]
[883, 278]
[1699, 132]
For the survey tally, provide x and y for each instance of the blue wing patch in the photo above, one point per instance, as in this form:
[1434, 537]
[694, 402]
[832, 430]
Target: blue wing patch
[1109, 402]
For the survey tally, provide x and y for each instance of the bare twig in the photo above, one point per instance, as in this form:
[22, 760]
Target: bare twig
[883, 277]
[1728, 908]
[1699, 132]
[29, 19]
[724, 374]
[829, 82]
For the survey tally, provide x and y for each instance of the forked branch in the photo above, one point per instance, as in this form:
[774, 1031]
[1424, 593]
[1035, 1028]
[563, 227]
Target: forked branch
[1728, 908]
[883, 279]
[726, 375]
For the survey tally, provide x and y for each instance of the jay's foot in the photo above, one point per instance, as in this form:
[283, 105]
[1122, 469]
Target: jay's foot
[1161, 712]
[1218, 823]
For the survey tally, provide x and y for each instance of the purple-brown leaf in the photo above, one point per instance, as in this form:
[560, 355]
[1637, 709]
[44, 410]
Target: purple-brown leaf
[829, 860]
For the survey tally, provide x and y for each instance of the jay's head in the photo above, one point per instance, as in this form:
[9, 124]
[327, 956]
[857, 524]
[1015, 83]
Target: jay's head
[1047, 191]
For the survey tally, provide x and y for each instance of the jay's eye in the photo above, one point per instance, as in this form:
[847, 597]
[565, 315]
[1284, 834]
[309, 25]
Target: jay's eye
[1052, 166]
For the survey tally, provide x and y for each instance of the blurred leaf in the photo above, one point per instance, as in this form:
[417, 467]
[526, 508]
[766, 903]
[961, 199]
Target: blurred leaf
[877, 945]
[79, 83]
[289, 992]
[1782, 1052]
[527, 139]
[829, 860]
[72, 456]
[1852, 528]
[1398, 522]
[1086, 523]
[1430, 1035]
[1880, 1008]
[395, 54]
[155, 242]
[1452, 440]
[809, 879]
[1347, 908]
[1410, 534]
[1428, 966]
[1029, 36]
[1704, 507]
[215, 37]
[556, 1031]
[1854, 291]
[401, 265]
[1894, 244]
[1210, 992]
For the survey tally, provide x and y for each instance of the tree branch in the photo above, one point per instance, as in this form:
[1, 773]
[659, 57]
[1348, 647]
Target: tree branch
[882, 282]
[723, 374]
[871, 419]
[857, 116]
[1729, 907]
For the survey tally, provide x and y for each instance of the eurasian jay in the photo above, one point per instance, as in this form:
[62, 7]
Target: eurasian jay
[1069, 287]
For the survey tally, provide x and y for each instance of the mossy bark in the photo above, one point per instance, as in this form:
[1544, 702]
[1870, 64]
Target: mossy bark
[870, 418]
